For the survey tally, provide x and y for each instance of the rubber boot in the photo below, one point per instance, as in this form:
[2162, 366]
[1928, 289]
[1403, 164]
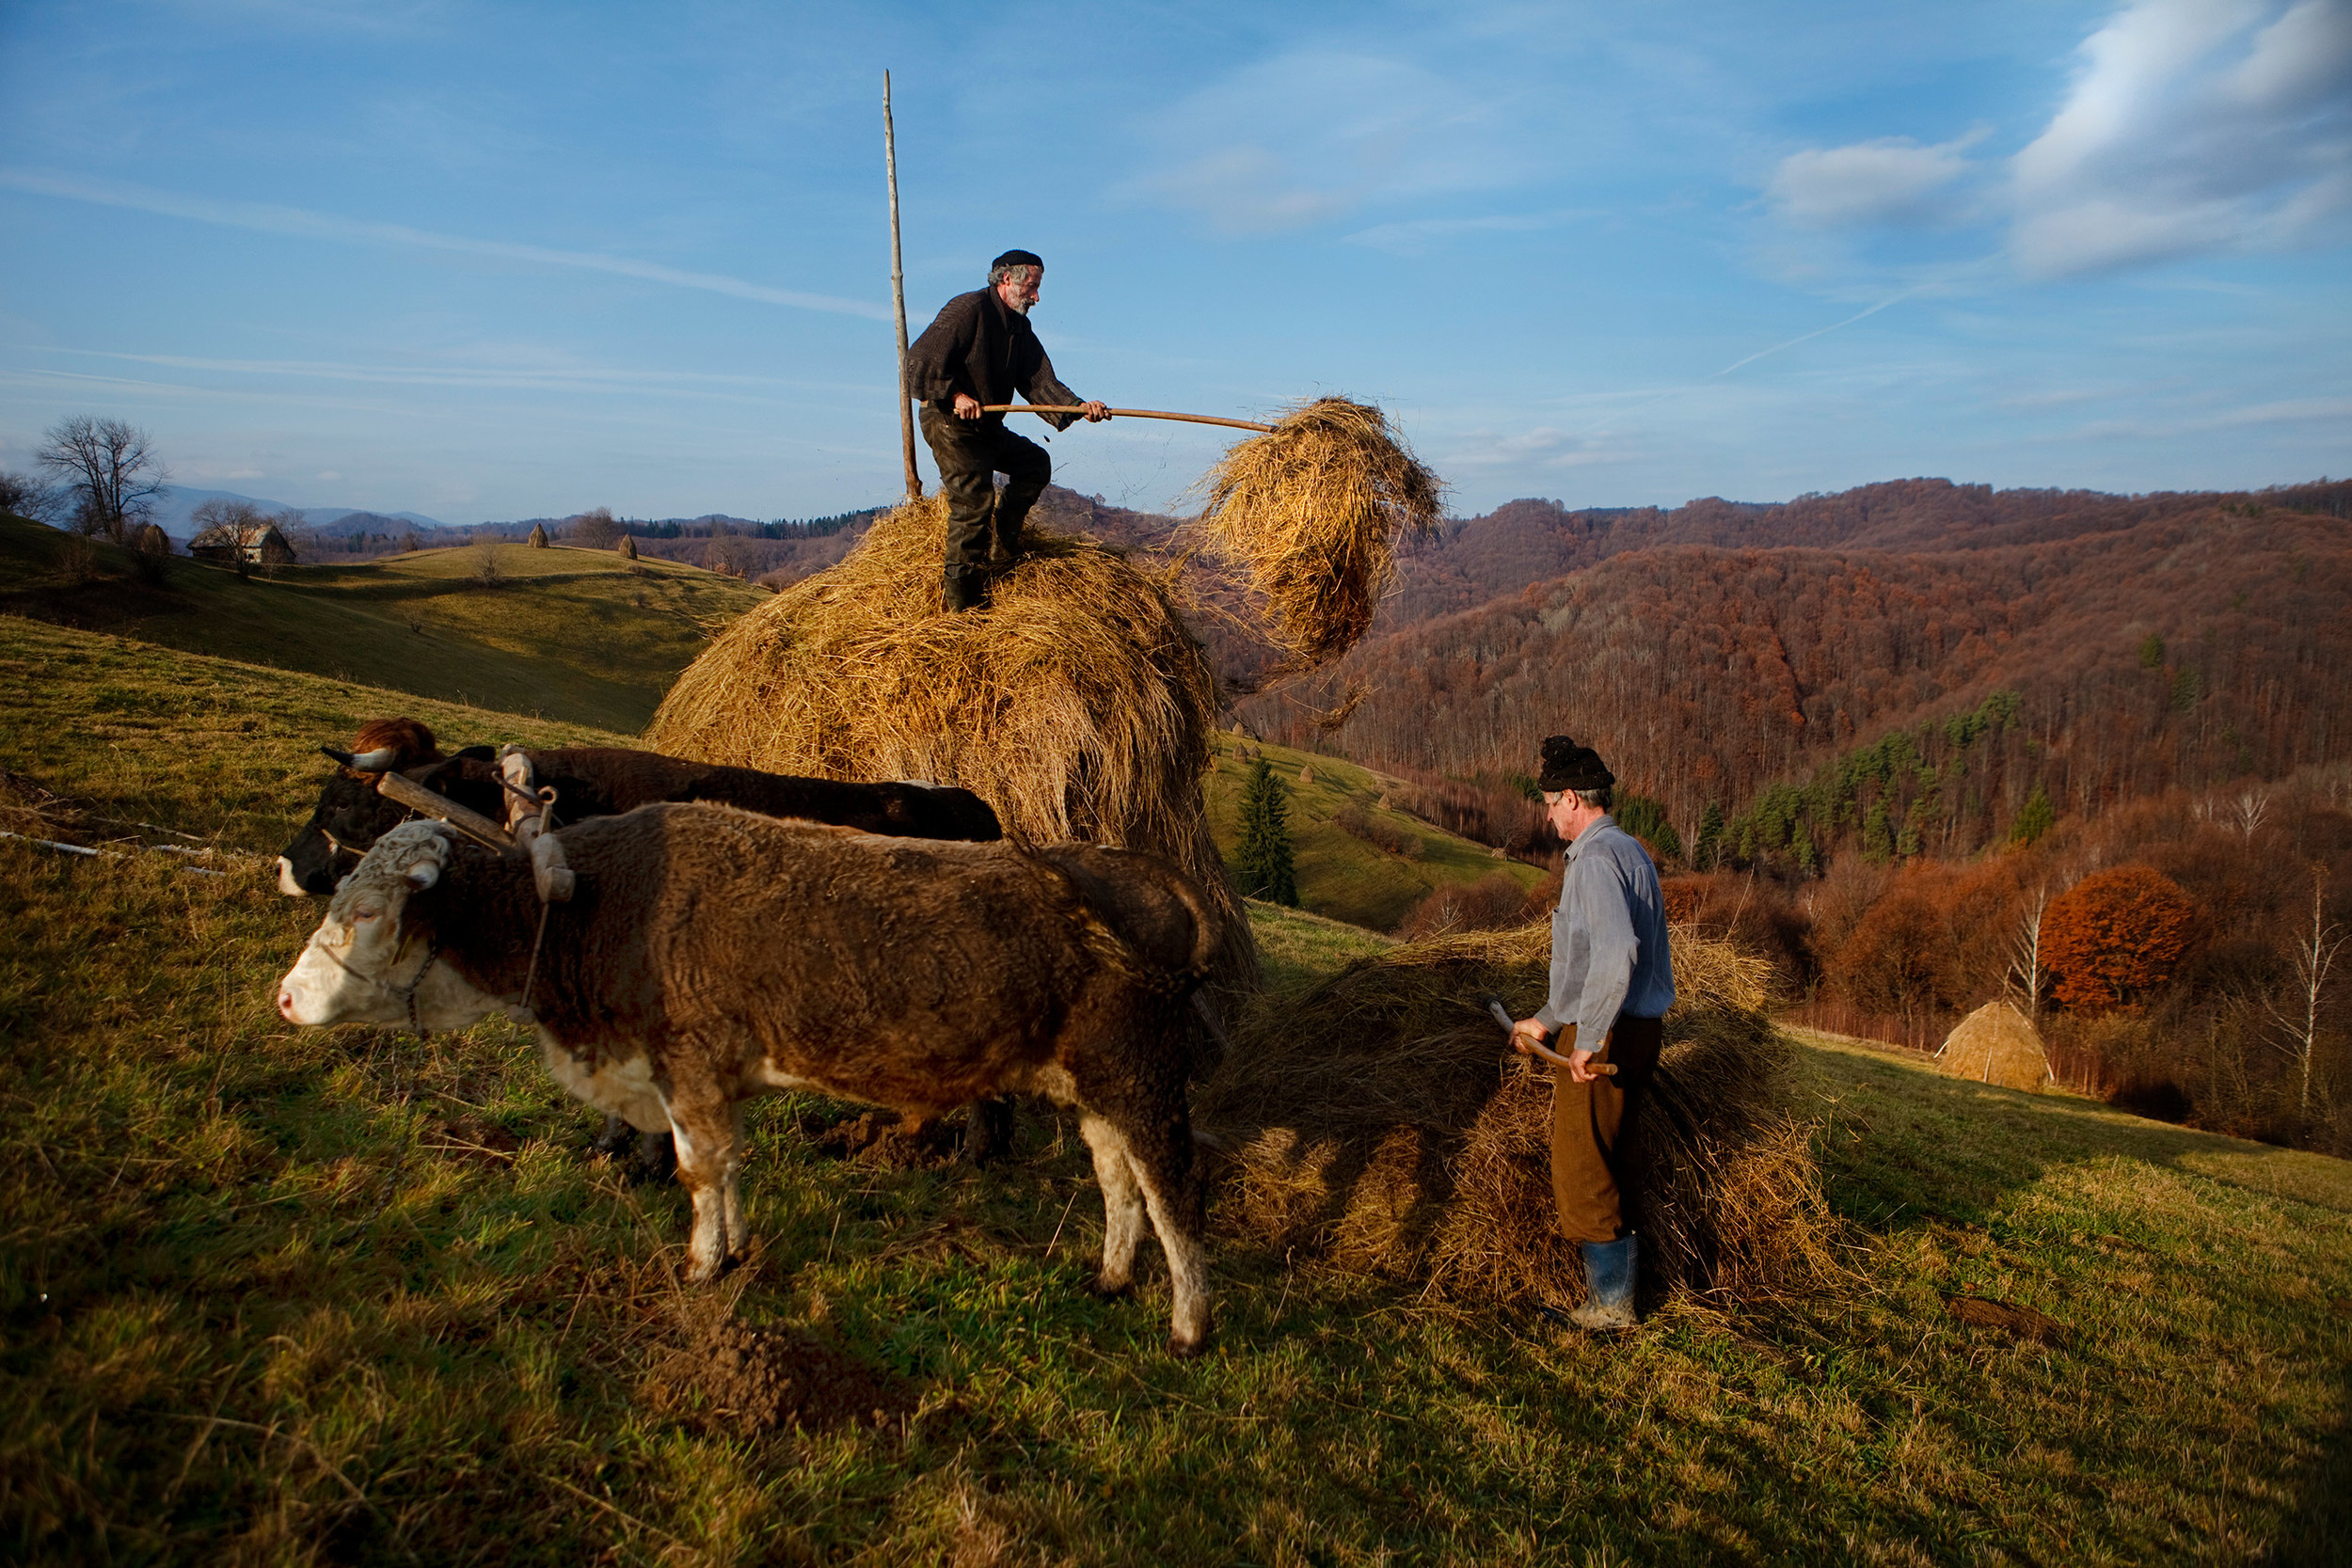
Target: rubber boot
[1609, 1283]
[963, 588]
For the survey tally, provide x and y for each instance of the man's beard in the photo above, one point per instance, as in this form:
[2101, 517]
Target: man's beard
[1019, 306]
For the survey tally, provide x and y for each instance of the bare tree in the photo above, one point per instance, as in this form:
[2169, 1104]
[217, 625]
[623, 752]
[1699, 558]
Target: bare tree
[2025, 955]
[2247, 811]
[730, 555]
[2297, 1018]
[107, 471]
[486, 570]
[239, 520]
[595, 530]
[26, 497]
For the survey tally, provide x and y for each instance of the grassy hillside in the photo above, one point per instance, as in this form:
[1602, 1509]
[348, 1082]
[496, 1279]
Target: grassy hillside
[271, 1295]
[1340, 876]
[577, 635]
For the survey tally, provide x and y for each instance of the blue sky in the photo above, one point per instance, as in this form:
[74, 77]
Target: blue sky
[497, 261]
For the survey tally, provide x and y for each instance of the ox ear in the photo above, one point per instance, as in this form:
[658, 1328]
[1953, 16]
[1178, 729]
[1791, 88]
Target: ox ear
[424, 865]
[476, 754]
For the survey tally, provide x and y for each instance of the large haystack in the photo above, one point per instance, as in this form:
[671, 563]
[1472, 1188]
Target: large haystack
[1309, 516]
[1078, 703]
[1379, 1121]
[1996, 1044]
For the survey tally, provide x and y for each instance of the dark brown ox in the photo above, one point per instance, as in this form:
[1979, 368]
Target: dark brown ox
[709, 955]
[594, 781]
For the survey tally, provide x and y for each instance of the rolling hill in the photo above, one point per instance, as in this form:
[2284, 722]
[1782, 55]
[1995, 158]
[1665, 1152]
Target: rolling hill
[577, 635]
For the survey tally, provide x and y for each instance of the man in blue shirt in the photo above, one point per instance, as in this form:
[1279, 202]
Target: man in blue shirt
[1612, 982]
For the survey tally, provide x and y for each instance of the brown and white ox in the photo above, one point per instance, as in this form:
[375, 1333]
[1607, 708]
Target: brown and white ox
[709, 955]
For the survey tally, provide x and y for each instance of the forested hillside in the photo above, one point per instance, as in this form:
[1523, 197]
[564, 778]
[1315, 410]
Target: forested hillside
[2095, 653]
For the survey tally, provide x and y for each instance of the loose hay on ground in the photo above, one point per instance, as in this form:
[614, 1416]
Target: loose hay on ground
[1079, 705]
[1378, 1120]
[1311, 515]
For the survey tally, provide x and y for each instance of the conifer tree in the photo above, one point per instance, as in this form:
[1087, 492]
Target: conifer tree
[1263, 868]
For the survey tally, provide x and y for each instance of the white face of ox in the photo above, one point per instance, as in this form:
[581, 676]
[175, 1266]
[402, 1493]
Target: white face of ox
[360, 967]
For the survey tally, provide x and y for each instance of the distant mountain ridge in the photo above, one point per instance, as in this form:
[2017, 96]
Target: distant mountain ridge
[175, 511]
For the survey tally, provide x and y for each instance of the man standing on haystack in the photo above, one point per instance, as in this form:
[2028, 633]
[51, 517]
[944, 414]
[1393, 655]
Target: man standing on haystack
[979, 352]
[1612, 982]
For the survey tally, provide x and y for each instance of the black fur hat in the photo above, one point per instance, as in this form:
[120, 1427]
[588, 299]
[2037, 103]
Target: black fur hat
[1568, 765]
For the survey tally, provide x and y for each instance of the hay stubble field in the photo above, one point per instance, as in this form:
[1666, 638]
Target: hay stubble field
[277, 1296]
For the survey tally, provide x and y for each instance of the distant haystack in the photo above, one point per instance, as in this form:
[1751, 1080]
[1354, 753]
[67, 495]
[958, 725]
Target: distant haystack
[1996, 1044]
[628, 547]
[151, 540]
[1079, 704]
[538, 540]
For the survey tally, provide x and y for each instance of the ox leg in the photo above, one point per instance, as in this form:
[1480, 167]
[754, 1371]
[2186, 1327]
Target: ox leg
[709, 1157]
[1122, 1204]
[1171, 1189]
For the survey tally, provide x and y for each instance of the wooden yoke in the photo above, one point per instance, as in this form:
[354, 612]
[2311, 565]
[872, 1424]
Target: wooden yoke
[399, 787]
[528, 808]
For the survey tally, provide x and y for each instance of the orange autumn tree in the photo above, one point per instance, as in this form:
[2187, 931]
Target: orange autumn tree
[2115, 936]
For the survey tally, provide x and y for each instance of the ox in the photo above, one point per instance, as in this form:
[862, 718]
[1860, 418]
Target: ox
[605, 781]
[707, 956]
[597, 781]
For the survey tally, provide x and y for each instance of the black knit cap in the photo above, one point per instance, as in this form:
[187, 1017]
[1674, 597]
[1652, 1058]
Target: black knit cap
[1017, 259]
[1568, 765]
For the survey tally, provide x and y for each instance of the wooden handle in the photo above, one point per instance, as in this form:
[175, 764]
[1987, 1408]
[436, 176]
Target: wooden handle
[1122, 413]
[409, 793]
[1502, 1016]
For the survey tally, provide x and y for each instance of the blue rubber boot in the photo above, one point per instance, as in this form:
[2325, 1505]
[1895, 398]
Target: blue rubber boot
[1609, 1281]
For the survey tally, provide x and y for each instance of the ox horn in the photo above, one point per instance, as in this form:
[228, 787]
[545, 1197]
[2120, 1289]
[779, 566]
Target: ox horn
[379, 761]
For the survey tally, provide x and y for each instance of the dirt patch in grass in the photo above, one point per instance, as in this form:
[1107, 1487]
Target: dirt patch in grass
[2024, 1322]
[880, 1139]
[749, 1381]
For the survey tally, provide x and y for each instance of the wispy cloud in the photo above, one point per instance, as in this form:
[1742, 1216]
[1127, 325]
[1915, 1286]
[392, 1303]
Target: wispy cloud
[1313, 136]
[1418, 236]
[1891, 179]
[269, 219]
[2193, 126]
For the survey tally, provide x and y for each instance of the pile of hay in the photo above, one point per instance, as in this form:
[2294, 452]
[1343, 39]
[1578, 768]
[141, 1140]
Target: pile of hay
[1079, 704]
[1309, 516]
[1377, 1120]
[1996, 1044]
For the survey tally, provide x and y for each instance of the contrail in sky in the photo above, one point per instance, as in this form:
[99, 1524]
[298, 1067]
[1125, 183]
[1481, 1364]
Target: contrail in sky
[267, 219]
[1891, 299]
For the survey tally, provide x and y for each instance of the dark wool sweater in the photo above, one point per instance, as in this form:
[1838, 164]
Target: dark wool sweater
[979, 346]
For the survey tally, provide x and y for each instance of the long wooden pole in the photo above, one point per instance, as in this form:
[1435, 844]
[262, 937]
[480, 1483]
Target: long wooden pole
[898, 299]
[1127, 413]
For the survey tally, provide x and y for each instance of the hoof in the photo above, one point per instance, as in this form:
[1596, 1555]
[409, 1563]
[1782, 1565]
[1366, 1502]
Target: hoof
[1101, 1291]
[1188, 1350]
[702, 1274]
[617, 1136]
[655, 1159]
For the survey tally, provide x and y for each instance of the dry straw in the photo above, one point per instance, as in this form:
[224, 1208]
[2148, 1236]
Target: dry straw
[1311, 515]
[1079, 704]
[1377, 1120]
[1995, 1044]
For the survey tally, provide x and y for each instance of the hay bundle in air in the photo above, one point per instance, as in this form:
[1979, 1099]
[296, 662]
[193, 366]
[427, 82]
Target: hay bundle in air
[1311, 515]
[1079, 704]
[1996, 1044]
[1377, 1120]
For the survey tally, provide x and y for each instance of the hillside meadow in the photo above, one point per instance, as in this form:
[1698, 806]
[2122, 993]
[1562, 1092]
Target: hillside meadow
[579, 635]
[277, 1297]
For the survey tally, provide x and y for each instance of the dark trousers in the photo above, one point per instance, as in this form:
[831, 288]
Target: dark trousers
[982, 524]
[1594, 1127]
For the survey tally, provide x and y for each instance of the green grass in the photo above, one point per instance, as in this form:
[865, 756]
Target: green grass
[576, 635]
[268, 1295]
[1340, 876]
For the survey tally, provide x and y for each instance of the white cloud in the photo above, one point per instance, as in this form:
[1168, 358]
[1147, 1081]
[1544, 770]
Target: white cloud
[1311, 137]
[1892, 179]
[2193, 126]
[266, 218]
[1418, 236]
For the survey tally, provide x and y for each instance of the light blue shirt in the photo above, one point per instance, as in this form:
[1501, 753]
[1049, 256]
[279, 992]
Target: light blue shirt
[1608, 953]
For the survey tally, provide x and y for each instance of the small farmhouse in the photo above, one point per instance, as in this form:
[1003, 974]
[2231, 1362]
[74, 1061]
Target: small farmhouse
[259, 544]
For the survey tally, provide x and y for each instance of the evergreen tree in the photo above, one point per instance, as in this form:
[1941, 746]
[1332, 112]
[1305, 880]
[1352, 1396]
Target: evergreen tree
[2034, 819]
[1263, 863]
[1711, 838]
